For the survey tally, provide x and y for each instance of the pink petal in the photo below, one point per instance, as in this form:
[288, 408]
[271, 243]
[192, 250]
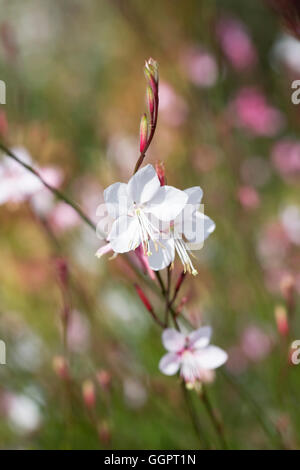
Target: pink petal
[200, 338]
[172, 340]
[169, 364]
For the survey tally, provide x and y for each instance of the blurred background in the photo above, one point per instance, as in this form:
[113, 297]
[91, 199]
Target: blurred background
[75, 92]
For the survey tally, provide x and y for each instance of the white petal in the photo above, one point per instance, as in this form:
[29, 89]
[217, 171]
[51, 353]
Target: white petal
[211, 357]
[167, 203]
[143, 185]
[164, 255]
[169, 364]
[198, 230]
[117, 200]
[125, 235]
[200, 338]
[172, 340]
[194, 195]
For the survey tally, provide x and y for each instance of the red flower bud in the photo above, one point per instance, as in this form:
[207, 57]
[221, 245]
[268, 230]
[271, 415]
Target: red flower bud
[180, 281]
[143, 133]
[60, 367]
[281, 320]
[150, 99]
[89, 394]
[160, 171]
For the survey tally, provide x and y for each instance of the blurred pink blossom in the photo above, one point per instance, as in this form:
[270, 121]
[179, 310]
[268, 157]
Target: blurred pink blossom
[200, 66]
[248, 197]
[236, 43]
[173, 109]
[255, 343]
[285, 156]
[17, 184]
[63, 217]
[290, 219]
[253, 113]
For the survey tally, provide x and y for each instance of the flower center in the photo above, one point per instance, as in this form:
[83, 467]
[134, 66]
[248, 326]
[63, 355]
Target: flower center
[146, 229]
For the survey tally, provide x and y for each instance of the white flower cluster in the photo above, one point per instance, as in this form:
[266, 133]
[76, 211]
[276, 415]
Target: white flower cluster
[162, 219]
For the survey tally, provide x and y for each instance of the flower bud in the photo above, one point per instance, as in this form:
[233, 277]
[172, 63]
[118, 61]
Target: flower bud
[104, 433]
[60, 367]
[180, 281]
[143, 298]
[150, 99]
[151, 73]
[281, 320]
[89, 394]
[104, 379]
[3, 124]
[287, 285]
[61, 266]
[143, 133]
[160, 171]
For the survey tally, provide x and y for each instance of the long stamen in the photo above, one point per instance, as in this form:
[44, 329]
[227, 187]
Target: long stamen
[184, 257]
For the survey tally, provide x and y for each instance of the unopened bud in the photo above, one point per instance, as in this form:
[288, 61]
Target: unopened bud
[89, 394]
[62, 271]
[143, 298]
[3, 124]
[143, 133]
[150, 99]
[180, 281]
[160, 171]
[104, 378]
[151, 73]
[281, 320]
[60, 367]
[104, 433]
[152, 66]
[287, 285]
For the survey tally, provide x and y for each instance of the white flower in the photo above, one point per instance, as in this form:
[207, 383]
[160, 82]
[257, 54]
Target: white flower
[138, 209]
[187, 232]
[191, 354]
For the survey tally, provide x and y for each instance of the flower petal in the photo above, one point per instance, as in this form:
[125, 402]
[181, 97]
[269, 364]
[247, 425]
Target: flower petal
[194, 195]
[172, 340]
[144, 184]
[198, 230]
[125, 235]
[164, 255]
[211, 357]
[117, 200]
[167, 203]
[169, 364]
[200, 338]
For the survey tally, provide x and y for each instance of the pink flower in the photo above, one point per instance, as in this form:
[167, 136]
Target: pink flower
[248, 197]
[191, 354]
[172, 107]
[253, 112]
[255, 343]
[286, 158]
[236, 43]
[200, 66]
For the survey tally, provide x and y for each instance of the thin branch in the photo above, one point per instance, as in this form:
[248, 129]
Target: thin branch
[215, 419]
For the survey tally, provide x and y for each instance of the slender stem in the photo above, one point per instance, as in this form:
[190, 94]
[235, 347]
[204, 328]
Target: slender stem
[167, 296]
[259, 412]
[196, 424]
[51, 188]
[215, 419]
